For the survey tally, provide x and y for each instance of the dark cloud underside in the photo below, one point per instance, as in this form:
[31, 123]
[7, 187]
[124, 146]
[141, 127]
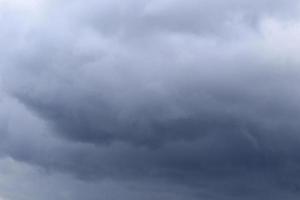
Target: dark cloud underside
[152, 99]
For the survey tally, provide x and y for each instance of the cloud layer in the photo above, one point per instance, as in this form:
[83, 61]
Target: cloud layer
[198, 98]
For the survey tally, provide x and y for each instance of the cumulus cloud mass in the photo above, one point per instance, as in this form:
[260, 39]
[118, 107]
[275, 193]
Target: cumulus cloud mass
[149, 100]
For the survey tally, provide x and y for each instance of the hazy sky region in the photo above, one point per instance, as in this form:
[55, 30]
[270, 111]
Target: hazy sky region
[149, 100]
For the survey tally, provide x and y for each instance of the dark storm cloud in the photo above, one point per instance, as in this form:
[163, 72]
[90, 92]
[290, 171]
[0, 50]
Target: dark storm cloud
[188, 93]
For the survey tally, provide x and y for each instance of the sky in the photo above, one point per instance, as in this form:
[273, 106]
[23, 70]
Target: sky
[149, 100]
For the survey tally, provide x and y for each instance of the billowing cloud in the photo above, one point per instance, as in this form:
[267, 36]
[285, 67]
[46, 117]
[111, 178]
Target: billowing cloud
[199, 98]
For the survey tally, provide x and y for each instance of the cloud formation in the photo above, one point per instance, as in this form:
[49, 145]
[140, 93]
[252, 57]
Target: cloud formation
[198, 98]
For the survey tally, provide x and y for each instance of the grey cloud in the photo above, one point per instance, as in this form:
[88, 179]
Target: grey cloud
[131, 18]
[155, 93]
[23, 182]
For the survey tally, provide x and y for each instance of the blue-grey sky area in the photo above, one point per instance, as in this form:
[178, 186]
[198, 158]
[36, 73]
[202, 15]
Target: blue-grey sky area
[149, 100]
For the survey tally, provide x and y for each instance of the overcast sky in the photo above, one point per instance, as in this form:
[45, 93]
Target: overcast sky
[149, 99]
